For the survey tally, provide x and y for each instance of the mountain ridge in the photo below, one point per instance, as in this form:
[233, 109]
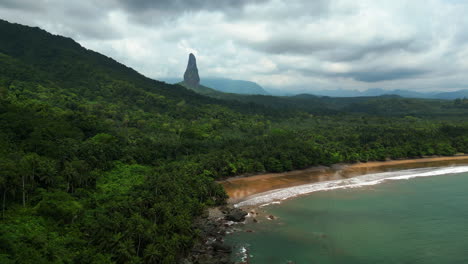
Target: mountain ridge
[226, 85]
[400, 92]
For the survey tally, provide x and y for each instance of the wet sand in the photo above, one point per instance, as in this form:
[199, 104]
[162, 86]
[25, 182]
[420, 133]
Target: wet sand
[240, 188]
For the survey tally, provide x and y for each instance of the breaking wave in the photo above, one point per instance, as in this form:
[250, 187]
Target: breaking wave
[355, 182]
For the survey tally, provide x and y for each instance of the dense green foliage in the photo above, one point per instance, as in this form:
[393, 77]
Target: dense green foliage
[99, 164]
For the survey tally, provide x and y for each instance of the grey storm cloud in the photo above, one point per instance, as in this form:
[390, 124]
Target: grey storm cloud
[24, 5]
[337, 50]
[373, 76]
[80, 19]
[232, 9]
[153, 12]
[321, 44]
[185, 5]
[367, 75]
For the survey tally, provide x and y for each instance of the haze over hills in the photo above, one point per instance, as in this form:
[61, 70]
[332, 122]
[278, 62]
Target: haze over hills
[234, 86]
[371, 101]
[403, 93]
[193, 81]
[226, 85]
[210, 86]
[246, 87]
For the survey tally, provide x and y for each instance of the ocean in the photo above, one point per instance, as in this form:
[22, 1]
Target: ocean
[411, 216]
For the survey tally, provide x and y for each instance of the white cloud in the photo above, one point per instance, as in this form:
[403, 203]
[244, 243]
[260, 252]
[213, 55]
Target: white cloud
[296, 44]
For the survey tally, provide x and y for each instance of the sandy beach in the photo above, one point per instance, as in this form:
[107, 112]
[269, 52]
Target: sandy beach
[241, 188]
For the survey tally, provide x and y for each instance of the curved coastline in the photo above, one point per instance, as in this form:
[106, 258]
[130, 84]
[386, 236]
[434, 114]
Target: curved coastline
[267, 188]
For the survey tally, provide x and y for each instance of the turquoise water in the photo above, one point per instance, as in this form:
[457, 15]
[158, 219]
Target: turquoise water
[420, 220]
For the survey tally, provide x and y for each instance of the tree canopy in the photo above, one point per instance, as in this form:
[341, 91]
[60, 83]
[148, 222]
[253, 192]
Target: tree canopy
[99, 164]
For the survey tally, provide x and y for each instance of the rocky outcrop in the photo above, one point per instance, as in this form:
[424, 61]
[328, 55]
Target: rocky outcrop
[212, 227]
[235, 215]
[191, 77]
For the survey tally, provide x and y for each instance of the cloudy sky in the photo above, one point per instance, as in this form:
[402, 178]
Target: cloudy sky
[294, 45]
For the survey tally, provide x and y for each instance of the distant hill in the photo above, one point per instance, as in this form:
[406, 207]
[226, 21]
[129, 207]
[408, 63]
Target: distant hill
[226, 85]
[452, 95]
[233, 86]
[403, 93]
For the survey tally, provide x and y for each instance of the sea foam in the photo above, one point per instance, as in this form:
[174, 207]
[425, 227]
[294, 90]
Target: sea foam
[355, 182]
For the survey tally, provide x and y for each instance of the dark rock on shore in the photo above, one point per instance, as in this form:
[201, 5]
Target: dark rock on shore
[235, 215]
[212, 227]
[220, 247]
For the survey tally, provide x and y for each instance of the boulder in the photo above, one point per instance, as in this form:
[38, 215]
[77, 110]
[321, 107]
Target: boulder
[218, 246]
[236, 215]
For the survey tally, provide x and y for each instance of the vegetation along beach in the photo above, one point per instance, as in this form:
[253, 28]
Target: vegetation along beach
[222, 132]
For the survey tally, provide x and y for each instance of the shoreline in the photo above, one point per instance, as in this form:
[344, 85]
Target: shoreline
[242, 188]
[317, 219]
[215, 225]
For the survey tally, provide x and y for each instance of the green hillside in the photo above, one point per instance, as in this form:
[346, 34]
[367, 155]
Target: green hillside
[233, 86]
[99, 164]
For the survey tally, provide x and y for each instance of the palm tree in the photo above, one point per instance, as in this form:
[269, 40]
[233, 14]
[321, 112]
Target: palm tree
[152, 254]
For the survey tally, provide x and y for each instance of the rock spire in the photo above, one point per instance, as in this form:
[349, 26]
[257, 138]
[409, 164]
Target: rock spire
[191, 77]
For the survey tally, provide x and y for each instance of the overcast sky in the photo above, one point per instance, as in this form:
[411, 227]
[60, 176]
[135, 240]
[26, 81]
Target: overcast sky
[295, 45]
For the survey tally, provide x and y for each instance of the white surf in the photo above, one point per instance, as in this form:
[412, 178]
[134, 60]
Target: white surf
[275, 196]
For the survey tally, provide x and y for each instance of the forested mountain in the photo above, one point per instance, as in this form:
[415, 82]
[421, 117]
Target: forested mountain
[227, 85]
[460, 94]
[233, 86]
[99, 164]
